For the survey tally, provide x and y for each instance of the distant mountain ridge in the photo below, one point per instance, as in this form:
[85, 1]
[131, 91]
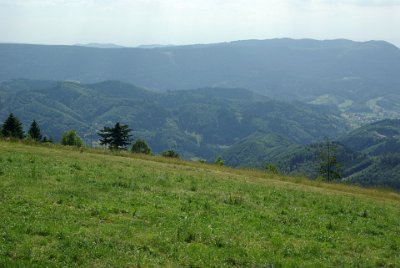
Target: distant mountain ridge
[99, 45]
[150, 46]
[302, 68]
[362, 79]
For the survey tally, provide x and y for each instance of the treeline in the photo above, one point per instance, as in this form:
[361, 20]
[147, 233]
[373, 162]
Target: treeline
[119, 137]
[115, 138]
[12, 128]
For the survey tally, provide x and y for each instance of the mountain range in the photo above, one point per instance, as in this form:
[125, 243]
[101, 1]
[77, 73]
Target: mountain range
[360, 78]
[245, 128]
[252, 102]
[196, 123]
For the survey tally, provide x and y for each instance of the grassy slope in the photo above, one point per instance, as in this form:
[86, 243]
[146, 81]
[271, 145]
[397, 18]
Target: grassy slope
[64, 207]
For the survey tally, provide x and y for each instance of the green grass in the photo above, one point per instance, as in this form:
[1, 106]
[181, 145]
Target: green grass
[65, 207]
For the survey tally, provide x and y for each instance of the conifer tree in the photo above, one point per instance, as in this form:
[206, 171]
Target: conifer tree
[117, 137]
[12, 128]
[34, 131]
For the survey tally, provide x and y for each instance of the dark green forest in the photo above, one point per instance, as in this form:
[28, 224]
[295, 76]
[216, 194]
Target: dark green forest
[197, 123]
[243, 128]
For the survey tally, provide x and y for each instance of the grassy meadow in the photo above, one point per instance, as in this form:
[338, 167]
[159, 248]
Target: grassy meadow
[70, 207]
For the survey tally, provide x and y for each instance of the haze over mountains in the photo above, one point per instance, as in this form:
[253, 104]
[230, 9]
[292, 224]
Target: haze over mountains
[275, 67]
[357, 77]
[253, 102]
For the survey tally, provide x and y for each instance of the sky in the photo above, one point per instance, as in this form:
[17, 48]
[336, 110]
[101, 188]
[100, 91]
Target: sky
[136, 22]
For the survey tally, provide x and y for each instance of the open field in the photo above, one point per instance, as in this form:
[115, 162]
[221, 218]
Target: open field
[65, 207]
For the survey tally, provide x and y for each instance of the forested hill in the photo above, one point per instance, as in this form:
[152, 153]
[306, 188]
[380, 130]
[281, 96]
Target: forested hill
[196, 123]
[369, 156]
[376, 138]
[282, 68]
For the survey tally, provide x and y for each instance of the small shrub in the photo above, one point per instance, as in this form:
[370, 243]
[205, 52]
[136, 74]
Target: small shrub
[219, 161]
[71, 138]
[170, 153]
[272, 169]
[140, 147]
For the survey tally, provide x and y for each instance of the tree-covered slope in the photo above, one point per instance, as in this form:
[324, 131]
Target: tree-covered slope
[65, 207]
[368, 156]
[258, 150]
[376, 138]
[380, 142]
[196, 123]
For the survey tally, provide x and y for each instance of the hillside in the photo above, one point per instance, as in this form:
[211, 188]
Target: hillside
[65, 207]
[197, 123]
[360, 78]
[258, 150]
[368, 156]
[374, 139]
[246, 129]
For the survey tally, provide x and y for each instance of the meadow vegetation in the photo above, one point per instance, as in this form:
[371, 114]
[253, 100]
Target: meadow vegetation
[68, 206]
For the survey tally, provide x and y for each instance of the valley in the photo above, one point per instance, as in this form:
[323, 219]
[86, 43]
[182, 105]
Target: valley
[252, 102]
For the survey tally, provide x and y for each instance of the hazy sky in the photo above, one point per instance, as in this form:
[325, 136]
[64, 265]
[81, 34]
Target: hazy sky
[134, 22]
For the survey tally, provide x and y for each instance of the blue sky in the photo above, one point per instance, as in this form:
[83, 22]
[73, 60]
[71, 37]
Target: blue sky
[135, 22]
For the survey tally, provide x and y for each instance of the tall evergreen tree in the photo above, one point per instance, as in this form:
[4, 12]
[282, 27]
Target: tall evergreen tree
[34, 131]
[117, 137]
[12, 128]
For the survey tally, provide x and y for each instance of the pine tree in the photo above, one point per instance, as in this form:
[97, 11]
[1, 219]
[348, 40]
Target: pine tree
[34, 131]
[116, 137]
[12, 128]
